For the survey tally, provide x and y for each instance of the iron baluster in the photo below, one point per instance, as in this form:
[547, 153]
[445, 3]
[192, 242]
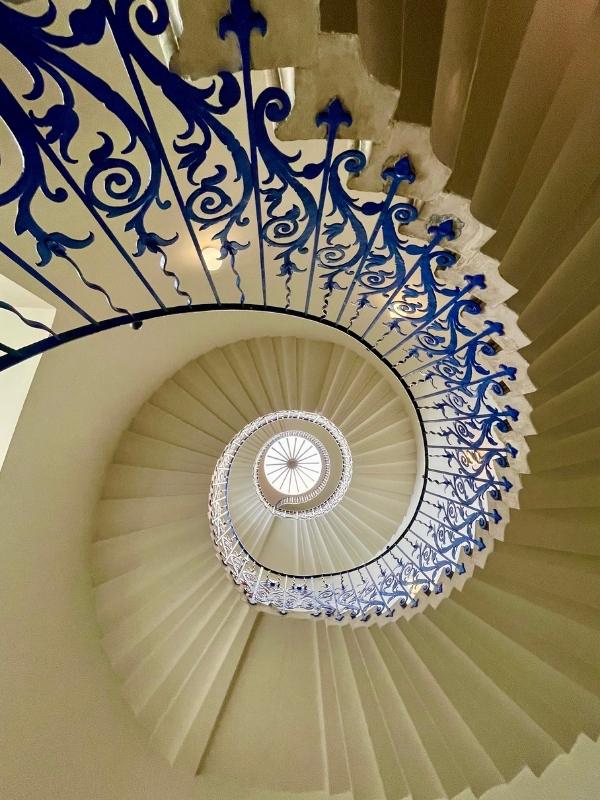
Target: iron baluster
[333, 117]
[443, 257]
[241, 21]
[115, 23]
[23, 121]
[400, 172]
[20, 262]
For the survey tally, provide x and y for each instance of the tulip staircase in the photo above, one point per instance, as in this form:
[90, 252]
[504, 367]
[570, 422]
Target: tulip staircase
[291, 534]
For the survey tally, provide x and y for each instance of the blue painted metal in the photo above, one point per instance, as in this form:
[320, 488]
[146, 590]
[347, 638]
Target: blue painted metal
[370, 274]
[345, 261]
[32, 323]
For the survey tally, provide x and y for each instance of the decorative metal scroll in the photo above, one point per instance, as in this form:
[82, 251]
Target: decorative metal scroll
[151, 161]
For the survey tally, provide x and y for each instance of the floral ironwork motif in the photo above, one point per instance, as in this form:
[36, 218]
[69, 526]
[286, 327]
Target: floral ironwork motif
[345, 261]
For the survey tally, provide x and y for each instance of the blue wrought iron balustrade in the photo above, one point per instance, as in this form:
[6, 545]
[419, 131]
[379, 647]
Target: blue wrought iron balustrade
[292, 236]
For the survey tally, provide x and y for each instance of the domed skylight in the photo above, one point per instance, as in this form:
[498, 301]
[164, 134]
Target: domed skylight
[292, 464]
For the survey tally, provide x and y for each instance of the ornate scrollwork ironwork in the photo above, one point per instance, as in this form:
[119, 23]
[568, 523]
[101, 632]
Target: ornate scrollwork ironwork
[347, 261]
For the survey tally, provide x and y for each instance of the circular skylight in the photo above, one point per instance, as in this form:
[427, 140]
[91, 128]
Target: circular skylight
[292, 464]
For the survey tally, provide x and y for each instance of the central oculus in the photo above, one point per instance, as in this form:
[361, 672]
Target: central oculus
[293, 464]
[302, 471]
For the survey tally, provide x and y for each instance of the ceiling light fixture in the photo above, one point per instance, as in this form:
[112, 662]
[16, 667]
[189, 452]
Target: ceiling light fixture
[212, 258]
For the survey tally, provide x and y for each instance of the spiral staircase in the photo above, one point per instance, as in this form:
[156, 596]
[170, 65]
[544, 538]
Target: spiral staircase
[139, 665]
[386, 713]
